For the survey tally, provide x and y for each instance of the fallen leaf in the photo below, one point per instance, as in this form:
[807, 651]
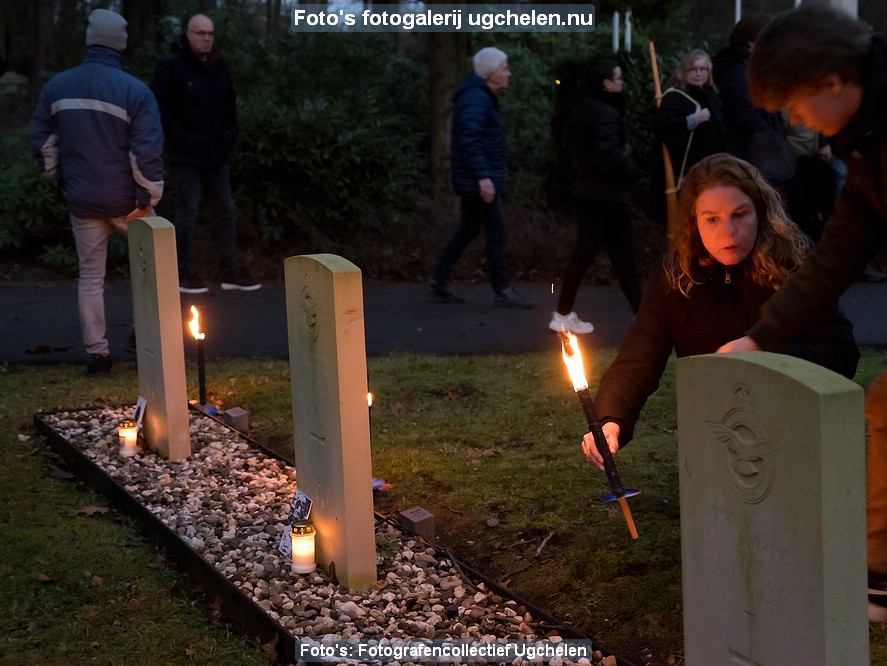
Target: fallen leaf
[133, 605]
[269, 649]
[95, 645]
[190, 652]
[59, 473]
[96, 581]
[43, 578]
[159, 562]
[493, 522]
[23, 438]
[89, 510]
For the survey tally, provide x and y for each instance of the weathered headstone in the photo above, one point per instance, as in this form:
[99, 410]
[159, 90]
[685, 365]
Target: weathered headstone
[772, 486]
[327, 350]
[159, 336]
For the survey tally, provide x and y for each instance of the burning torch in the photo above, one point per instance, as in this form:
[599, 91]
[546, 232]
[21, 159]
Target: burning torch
[573, 360]
[194, 324]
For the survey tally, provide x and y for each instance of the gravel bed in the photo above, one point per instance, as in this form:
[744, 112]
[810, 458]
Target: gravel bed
[229, 502]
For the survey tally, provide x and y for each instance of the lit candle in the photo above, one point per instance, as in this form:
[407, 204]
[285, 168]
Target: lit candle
[370, 409]
[302, 534]
[573, 360]
[201, 367]
[127, 434]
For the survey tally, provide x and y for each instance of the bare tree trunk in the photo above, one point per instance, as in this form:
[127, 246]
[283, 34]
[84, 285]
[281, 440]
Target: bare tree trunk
[446, 65]
[42, 44]
[141, 18]
[272, 18]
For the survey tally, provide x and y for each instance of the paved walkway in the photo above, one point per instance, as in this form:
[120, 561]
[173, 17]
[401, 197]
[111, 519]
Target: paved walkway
[39, 321]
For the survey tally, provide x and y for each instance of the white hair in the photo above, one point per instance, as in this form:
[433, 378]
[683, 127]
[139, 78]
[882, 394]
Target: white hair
[488, 60]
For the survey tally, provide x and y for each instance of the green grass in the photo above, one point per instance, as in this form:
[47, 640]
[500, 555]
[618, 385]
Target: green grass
[489, 445]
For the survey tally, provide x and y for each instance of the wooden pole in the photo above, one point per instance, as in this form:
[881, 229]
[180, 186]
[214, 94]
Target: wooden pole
[671, 193]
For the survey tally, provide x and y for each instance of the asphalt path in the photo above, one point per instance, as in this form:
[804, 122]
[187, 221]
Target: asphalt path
[39, 320]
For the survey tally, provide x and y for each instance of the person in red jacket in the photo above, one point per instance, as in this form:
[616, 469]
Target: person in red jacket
[830, 74]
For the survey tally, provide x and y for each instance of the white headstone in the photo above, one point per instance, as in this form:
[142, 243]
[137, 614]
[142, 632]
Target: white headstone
[327, 348]
[159, 336]
[772, 486]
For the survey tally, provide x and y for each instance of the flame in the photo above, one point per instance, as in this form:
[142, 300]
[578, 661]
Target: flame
[573, 360]
[195, 324]
[369, 399]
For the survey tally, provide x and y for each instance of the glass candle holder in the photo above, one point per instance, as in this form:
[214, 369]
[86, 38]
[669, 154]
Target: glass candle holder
[128, 434]
[302, 534]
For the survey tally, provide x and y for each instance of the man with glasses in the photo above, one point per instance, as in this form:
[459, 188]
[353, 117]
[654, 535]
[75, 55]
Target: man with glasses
[196, 95]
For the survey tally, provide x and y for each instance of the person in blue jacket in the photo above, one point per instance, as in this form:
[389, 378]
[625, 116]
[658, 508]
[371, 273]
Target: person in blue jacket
[478, 177]
[97, 132]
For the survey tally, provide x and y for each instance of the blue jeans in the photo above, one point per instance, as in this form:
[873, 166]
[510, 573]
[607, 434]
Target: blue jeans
[91, 239]
[474, 213]
[190, 182]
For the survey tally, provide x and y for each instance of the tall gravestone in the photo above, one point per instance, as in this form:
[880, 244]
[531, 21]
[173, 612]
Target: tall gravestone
[327, 350]
[772, 486]
[159, 336]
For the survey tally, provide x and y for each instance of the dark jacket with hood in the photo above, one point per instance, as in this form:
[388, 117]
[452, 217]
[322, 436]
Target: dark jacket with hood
[197, 104]
[478, 144]
[718, 310]
[754, 134]
[602, 168]
[856, 230]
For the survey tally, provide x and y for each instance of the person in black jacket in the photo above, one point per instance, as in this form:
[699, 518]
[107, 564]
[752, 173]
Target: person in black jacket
[196, 96]
[602, 175]
[689, 120]
[734, 247]
[829, 73]
[478, 175]
[755, 135]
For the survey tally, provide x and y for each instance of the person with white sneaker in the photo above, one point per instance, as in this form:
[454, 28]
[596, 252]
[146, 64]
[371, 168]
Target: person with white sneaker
[602, 175]
[734, 246]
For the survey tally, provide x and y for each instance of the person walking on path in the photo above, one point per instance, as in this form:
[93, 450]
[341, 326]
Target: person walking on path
[602, 175]
[830, 74]
[196, 95]
[98, 133]
[478, 176]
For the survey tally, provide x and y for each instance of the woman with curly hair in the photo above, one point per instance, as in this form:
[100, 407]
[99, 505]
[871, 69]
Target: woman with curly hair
[734, 247]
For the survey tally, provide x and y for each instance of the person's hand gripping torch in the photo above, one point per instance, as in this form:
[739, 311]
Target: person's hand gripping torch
[573, 360]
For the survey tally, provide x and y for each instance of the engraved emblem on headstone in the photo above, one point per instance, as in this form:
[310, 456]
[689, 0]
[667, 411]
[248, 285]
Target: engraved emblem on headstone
[309, 310]
[747, 448]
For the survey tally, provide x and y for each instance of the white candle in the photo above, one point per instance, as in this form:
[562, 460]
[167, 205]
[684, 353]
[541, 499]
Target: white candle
[302, 534]
[127, 433]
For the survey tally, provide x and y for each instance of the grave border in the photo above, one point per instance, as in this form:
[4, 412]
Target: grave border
[246, 615]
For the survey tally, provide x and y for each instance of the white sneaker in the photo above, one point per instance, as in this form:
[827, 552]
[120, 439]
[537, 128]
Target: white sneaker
[570, 322]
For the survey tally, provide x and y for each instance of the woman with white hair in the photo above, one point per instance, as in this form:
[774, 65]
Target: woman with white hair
[478, 173]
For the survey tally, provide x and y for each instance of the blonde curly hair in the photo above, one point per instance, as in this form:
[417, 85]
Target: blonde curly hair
[780, 246]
